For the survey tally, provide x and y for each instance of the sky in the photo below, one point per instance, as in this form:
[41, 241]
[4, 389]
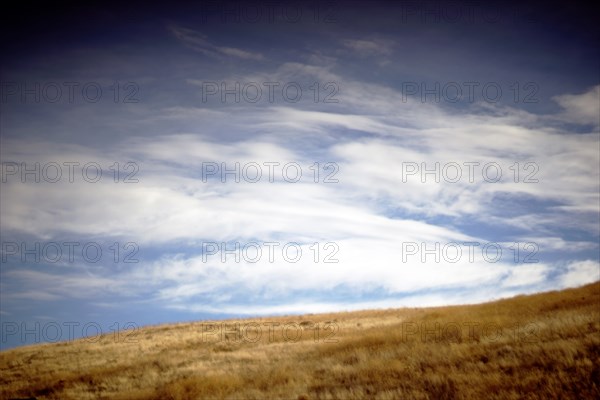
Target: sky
[170, 163]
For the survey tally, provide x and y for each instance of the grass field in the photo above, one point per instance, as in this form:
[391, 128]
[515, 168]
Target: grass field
[539, 346]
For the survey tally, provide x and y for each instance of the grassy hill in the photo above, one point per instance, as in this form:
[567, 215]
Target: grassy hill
[540, 346]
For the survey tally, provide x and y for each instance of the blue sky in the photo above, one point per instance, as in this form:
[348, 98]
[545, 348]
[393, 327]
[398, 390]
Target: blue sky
[534, 108]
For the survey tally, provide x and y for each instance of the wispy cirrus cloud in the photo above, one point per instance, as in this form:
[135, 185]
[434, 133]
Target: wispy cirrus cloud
[369, 47]
[369, 213]
[199, 42]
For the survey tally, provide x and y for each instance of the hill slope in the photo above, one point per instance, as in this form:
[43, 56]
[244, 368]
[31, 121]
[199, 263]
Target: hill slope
[540, 346]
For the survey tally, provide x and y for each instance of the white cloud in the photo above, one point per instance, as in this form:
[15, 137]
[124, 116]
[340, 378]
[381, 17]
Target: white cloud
[581, 272]
[370, 133]
[199, 42]
[581, 108]
[526, 275]
[369, 47]
[558, 243]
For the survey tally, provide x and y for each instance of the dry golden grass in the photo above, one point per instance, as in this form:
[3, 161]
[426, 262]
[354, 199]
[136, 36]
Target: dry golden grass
[528, 347]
